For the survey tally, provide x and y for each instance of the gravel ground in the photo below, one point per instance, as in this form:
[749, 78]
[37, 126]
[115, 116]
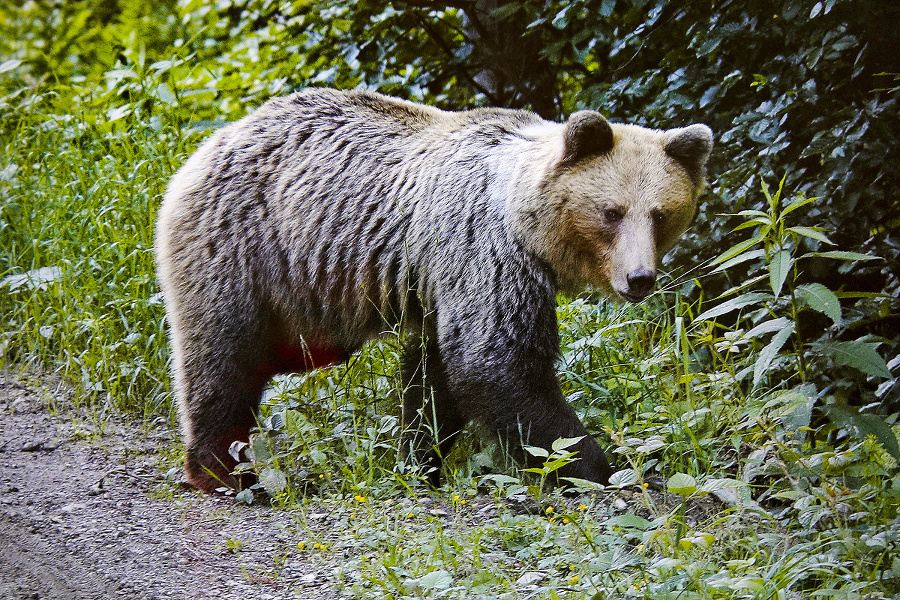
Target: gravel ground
[85, 514]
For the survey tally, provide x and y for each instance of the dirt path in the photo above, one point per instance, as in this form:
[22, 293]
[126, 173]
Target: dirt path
[85, 517]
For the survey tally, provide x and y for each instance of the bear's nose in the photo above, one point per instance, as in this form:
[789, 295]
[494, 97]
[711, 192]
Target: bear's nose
[641, 282]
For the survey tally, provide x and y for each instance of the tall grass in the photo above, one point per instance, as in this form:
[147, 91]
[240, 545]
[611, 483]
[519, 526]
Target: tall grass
[76, 250]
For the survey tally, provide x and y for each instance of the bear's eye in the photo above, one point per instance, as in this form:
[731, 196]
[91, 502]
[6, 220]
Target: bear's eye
[659, 218]
[613, 215]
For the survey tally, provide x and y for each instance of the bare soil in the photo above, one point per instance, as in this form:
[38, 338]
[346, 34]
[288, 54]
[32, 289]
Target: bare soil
[87, 514]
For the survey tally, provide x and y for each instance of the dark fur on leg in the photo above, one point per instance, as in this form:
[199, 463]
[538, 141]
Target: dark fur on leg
[429, 414]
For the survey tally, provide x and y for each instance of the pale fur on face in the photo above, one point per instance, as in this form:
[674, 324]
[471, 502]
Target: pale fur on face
[612, 214]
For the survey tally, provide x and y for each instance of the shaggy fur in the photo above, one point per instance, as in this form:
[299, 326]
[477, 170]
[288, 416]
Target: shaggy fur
[325, 218]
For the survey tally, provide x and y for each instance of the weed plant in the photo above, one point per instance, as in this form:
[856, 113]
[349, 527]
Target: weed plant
[753, 433]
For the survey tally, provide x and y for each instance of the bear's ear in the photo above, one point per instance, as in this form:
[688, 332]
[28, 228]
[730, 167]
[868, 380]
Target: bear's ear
[690, 146]
[586, 133]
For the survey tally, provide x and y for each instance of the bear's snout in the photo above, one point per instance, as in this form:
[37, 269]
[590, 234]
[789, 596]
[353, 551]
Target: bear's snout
[640, 284]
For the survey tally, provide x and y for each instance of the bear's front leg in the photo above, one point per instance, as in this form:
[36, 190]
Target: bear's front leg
[525, 406]
[430, 418]
[505, 379]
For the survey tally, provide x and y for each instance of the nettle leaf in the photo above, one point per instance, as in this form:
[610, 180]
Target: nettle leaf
[736, 249]
[436, 580]
[563, 443]
[796, 204]
[537, 451]
[843, 255]
[779, 267]
[859, 355]
[768, 354]
[768, 327]
[820, 298]
[681, 484]
[812, 233]
[740, 258]
[623, 478]
[794, 407]
[716, 485]
[865, 425]
[245, 496]
[734, 304]
[273, 480]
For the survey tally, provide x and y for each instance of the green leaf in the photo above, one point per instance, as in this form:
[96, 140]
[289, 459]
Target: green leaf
[793, 407]
[733, 304]
[773, 200]
[859, 355]
[500, 480]
[273, 480]
[277, 421]
[865, 425]
[245, 496]
[736, 249]
[561, 19]
[811, 232]
[820, 298]
[739, 259]
[754, 213]
[623, 478]
[563, 443]
[764, 222]
[768, 354]
[584, 484]
[536, 451]
[796, 204]
[715, 485]
[436, 580]
[505, 11]
[768, 327]
[9, 65]
[628, 521]
[681, 484]
[779, 267]
[843, 255]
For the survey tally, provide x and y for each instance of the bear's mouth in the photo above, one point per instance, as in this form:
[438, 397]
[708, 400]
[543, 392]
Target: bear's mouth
[632, 298]
[629, 297]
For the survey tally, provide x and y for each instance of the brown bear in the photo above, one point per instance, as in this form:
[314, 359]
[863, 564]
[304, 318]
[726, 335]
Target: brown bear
[325, 218]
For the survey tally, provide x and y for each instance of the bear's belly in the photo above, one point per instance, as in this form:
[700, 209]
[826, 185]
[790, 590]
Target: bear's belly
[287, 358]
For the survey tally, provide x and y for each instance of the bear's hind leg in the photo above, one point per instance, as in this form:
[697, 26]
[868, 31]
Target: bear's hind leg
[430, 417]
[220, 390]
[218, 409]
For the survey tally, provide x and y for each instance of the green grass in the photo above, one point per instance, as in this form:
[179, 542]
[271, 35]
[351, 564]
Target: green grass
[747, 469]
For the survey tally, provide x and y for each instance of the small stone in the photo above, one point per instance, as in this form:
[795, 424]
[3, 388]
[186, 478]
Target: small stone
[530, 578]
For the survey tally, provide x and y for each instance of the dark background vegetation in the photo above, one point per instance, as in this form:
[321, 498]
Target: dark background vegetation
[806, 90]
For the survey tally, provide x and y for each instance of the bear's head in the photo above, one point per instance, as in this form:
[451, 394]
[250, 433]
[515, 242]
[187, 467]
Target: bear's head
[610, 201]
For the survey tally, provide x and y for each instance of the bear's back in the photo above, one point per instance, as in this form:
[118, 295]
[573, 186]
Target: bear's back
[333, 207]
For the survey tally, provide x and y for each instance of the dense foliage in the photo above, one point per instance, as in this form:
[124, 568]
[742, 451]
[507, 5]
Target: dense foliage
[763, 375]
